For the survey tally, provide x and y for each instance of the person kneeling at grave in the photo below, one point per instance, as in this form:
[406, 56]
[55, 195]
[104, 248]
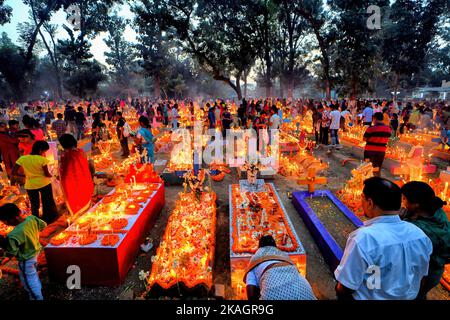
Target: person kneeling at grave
[387, 258]
[272, 275]
[23, 243]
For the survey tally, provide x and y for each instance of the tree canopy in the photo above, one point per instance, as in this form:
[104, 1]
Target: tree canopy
[186, 47]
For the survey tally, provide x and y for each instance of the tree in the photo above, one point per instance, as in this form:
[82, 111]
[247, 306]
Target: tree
[288, 50]
[319, 22]
[264, 12]
[357, 47]
[82, 74]
[153, 45]
[13, 67]
[5, 13]
[52, 50]
[408, 35]
[92, 15]
[122, 55]
[217, 34]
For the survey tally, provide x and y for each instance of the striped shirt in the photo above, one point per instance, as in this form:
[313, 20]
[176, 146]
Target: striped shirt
[60, 127]
[377, 137]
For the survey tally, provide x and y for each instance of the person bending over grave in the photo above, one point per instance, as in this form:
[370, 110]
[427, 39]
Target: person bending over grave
[424, 210]
[272, 275]
[387, 258]
[23, 243]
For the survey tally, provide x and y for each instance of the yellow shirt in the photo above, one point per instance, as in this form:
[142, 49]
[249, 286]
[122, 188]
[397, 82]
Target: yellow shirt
[34, 171]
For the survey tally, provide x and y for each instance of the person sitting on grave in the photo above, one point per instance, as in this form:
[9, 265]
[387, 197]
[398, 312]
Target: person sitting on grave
[272, 275]
[387, 258]
[23, 243]
[425, 210]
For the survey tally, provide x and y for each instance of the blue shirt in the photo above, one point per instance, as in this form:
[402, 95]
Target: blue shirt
[385, 259]
[367, 114]
[147, 136]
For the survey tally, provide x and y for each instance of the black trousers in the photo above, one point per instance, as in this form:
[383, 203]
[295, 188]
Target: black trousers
[124, 145]
[49, 210]
[325, 135]
[377, 159]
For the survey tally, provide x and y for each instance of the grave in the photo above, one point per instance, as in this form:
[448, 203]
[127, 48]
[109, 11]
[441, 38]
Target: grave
[319, 210]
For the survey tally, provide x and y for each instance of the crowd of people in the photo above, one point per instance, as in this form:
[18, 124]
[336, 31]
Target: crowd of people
[409, 246]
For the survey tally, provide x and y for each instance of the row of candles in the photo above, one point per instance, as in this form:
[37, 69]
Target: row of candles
[110, 216]
[186, 252]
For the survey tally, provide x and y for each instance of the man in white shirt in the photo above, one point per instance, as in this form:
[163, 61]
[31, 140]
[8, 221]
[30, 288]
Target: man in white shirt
[175, 117]
[335, 125]
[387, 258]
[274, 123]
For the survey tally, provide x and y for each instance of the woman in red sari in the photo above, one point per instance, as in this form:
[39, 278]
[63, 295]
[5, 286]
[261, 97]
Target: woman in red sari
[76, 179]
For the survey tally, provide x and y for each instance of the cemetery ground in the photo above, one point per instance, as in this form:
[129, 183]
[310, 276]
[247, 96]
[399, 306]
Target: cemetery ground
[318, 272]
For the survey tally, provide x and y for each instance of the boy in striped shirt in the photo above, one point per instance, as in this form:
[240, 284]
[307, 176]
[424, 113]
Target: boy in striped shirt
[377, 138]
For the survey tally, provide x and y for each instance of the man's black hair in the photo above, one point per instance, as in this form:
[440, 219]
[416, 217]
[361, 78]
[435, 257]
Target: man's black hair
[60, 116]
[68, 141]
[144, 120]
[267, 241]
[13, 123]
[378, 116]
[9, 212]
[385, 194]
[25, 132]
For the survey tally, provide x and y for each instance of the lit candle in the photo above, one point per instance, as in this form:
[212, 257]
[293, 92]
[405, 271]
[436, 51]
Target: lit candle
[445, 191]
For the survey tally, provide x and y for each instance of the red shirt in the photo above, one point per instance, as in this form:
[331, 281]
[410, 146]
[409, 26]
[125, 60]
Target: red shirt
[26, 148]
[377, 137]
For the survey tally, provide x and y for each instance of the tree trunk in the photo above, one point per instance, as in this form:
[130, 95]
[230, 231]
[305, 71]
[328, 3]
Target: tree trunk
[245, 85]
[228, 81]
[59, 84]
[327, 88]
[291, 89]
[238, 86]
[354, 91]
[396, 86]
[281, 88]
[157, 85]
[325, 60]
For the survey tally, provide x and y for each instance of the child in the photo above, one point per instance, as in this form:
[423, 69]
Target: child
[23, 243]
[394, 124]
[38, 182]
[26, 141]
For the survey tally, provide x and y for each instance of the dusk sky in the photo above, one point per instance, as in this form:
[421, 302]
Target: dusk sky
[20, 14]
